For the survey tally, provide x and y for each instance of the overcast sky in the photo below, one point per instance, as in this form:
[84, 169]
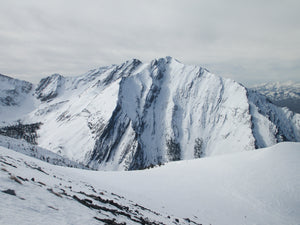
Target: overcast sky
[250, 41]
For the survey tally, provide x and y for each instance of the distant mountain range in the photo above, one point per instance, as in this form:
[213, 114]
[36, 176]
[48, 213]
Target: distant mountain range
[137, 115]
[285, 94]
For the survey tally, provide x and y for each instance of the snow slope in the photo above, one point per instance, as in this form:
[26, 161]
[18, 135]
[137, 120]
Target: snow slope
[34, 192]
[254, 187]
[136, 115]
[75, 110]
[285, 94]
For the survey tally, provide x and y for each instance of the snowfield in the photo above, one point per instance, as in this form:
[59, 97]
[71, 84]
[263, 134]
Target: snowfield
[251, 187]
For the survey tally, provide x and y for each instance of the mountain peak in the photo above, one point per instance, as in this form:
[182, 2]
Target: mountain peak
[164, 60]
[134, 115]
[48, 87]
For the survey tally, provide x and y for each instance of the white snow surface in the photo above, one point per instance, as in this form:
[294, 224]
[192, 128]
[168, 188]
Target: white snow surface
[253, 187]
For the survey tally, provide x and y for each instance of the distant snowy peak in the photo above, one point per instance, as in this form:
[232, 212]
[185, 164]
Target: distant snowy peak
[54, 85]
[280, 91]
[13, 91]
[48, 88]
[285, 94]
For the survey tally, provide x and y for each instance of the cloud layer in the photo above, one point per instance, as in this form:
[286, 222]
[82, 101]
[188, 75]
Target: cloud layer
[249, 41]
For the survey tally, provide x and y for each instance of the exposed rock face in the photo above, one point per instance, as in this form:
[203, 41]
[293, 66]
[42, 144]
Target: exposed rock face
[136, 115]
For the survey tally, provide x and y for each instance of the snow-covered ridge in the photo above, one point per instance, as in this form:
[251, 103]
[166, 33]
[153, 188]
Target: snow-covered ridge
[283, 90]
[135, 115]
[49, 87]
[13, 91]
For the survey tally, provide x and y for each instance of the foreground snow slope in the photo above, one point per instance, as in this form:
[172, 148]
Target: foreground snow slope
[34, 192]
[256, 187]
[253, 187]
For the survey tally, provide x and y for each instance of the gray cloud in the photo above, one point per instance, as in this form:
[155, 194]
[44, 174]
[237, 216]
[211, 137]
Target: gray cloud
[250, 41]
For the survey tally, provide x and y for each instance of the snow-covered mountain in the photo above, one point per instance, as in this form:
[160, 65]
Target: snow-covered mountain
[285, 94]
[253, 187]
[137, 115]
[13, 91]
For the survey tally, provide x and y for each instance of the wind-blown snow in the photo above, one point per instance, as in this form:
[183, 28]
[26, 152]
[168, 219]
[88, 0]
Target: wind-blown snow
[254, 187]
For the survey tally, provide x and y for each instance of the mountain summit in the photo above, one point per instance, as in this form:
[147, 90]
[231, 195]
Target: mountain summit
[136, 115]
